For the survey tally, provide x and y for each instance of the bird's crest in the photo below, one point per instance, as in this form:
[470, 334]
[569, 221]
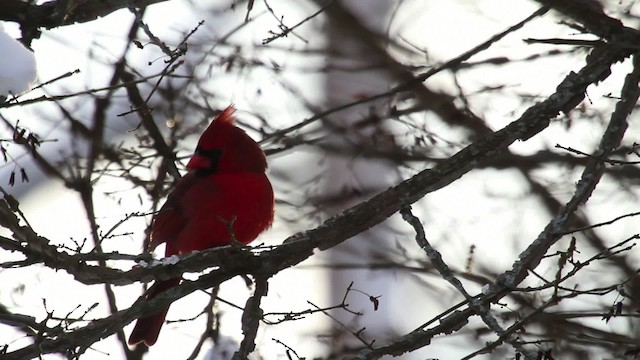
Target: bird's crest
[224, 147]
[226, 116]
[213, 133]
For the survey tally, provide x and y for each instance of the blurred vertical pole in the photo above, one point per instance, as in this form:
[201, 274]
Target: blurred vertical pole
[354, 72]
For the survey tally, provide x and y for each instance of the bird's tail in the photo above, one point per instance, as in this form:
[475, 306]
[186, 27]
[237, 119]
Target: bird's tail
[148, 328]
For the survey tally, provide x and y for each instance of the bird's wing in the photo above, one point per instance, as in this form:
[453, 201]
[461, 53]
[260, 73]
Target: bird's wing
[171, 218]
[167, 225]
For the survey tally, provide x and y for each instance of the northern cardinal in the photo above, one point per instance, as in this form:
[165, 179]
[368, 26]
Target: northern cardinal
[224, 196]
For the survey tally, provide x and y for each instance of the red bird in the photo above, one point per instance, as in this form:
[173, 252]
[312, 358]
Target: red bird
[225, 191]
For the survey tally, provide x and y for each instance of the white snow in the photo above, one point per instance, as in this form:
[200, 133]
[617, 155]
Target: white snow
[171, 260]
[17, 66]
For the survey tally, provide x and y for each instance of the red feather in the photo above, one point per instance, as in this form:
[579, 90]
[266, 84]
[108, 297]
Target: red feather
[226, 186]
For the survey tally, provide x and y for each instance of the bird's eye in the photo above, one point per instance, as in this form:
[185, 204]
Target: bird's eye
[212, 154]
[205, 161]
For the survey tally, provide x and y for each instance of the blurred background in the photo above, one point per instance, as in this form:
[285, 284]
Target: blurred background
[328, 88]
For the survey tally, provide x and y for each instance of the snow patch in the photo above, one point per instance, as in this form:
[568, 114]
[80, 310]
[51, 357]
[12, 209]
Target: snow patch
[171, 260]
[17, 66]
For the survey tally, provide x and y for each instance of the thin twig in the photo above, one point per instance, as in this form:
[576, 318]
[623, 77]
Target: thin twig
[417, 80]
[286, 30]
